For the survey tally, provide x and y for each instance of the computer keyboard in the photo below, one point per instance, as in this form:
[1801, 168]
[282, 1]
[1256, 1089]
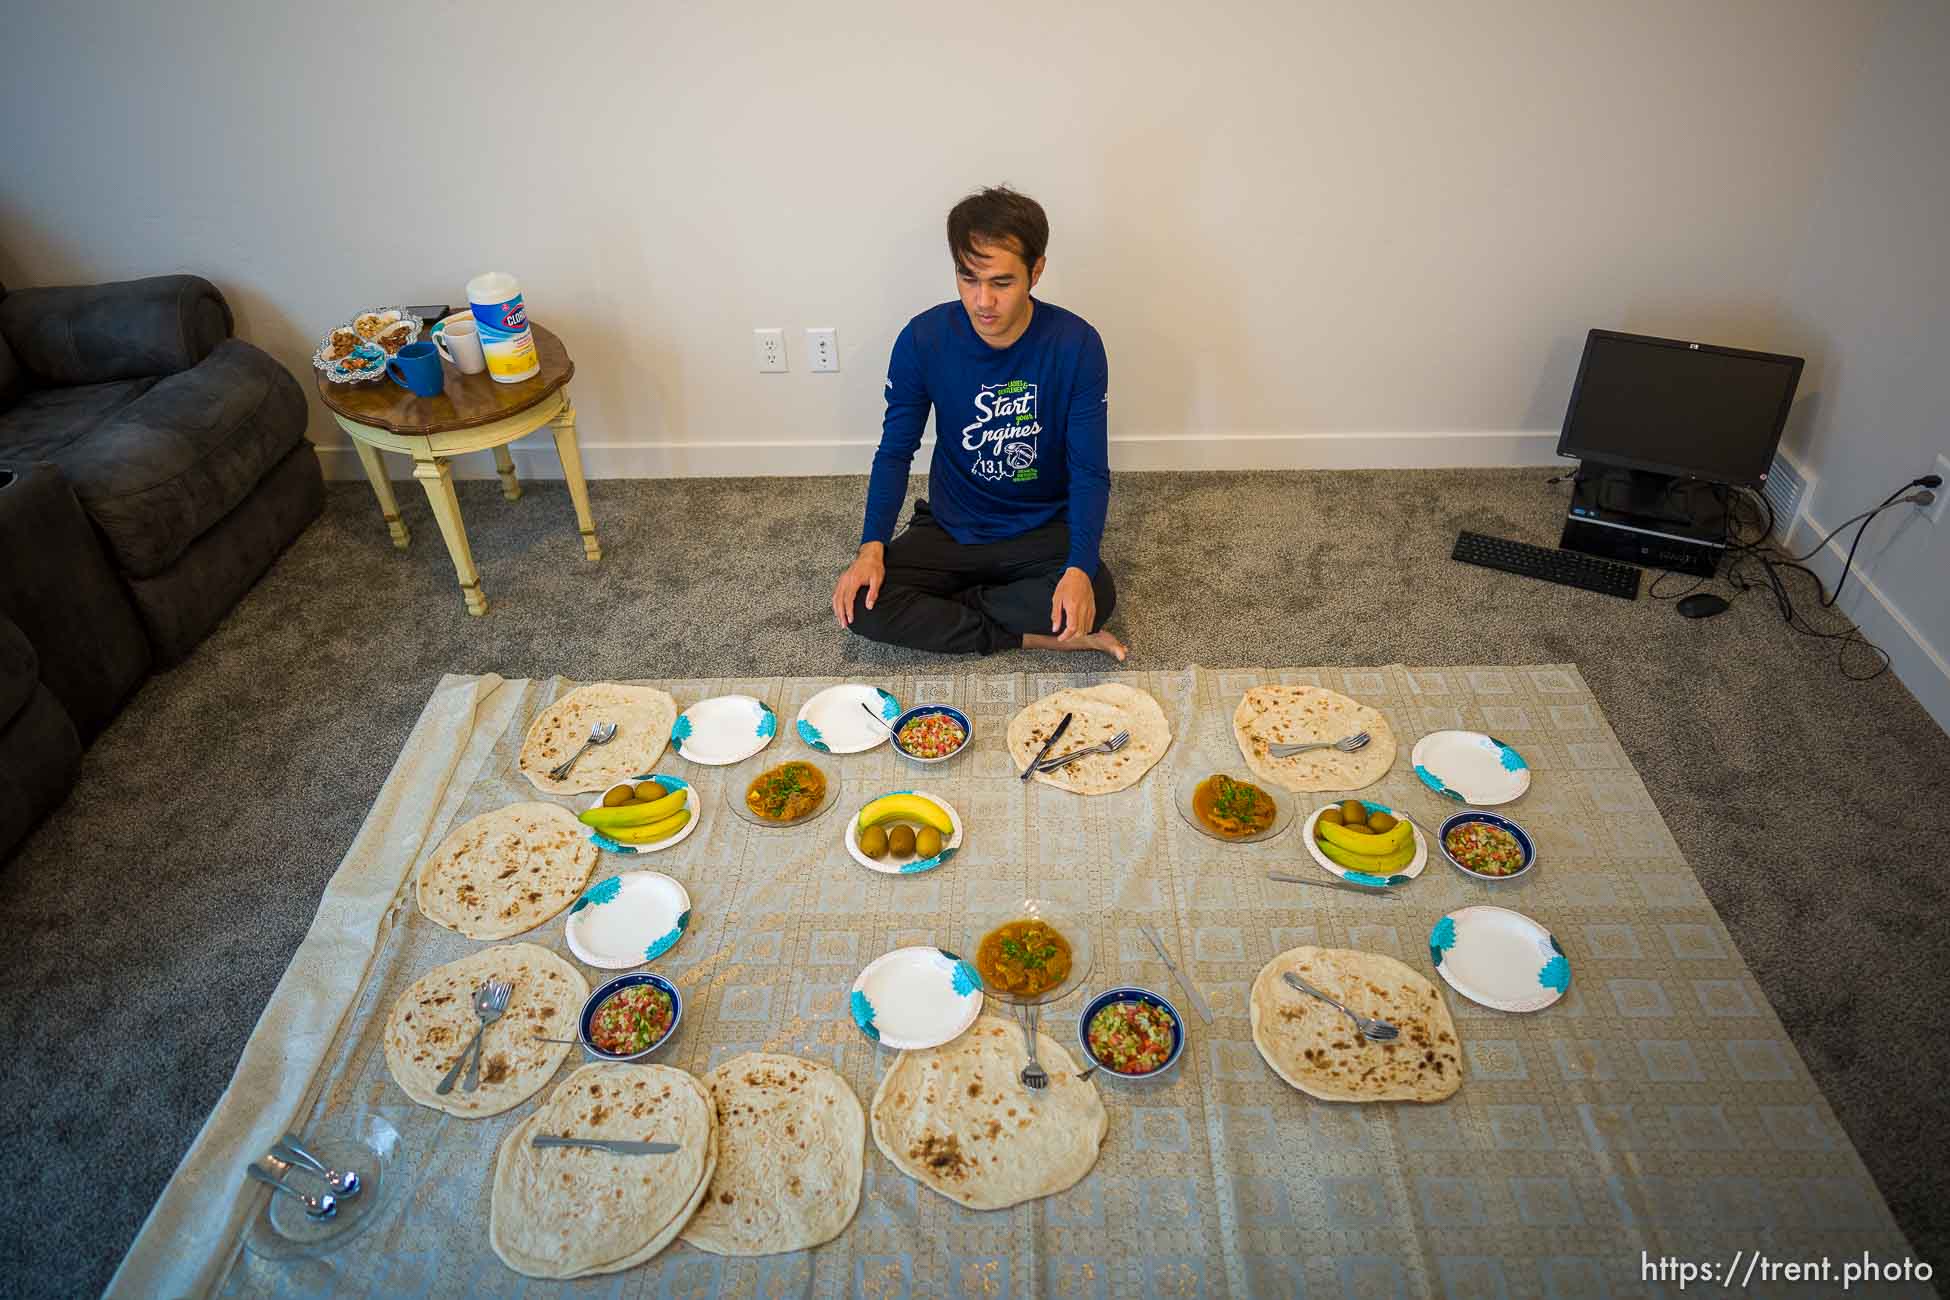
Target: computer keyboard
[1569, 568]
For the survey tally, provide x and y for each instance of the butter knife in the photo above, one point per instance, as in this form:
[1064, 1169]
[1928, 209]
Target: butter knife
[1048, 745]
[614, 1146]
[1198, 999]
[1331, 884]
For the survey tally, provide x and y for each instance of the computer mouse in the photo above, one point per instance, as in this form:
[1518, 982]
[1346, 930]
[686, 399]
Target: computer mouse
[1702, 605]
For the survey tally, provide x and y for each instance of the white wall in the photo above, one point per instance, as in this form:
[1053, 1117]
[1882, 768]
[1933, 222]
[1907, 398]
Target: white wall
[1310, 233]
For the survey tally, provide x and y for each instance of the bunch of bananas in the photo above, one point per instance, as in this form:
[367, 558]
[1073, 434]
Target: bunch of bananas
[1373, 842]
[644, 814]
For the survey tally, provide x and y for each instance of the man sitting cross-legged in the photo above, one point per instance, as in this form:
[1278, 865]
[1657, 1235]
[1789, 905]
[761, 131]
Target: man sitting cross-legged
[1006, 544]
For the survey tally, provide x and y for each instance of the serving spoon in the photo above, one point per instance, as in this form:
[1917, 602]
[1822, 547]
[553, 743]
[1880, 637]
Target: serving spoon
[600, 734]
[323, 1206]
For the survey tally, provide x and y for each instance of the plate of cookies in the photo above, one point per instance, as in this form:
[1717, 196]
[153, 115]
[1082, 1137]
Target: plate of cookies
[357, 350]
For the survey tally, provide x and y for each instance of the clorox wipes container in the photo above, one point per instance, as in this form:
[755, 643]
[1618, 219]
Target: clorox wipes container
[495, 299]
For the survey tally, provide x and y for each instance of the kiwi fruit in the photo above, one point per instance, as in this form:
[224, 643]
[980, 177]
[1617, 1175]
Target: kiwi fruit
[900, 840]
[617, 796]
[927, 842]
[1353, 814]
[873, 841]
[1332, 815]
[1380, 823]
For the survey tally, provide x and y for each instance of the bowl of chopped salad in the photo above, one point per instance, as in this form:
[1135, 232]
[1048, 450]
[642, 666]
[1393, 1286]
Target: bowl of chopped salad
[630, 1017]
[932, 733]
[1132, 1034]
[1486, 846]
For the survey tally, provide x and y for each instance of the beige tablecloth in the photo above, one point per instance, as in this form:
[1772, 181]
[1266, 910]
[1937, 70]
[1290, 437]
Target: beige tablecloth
[1658, 1108]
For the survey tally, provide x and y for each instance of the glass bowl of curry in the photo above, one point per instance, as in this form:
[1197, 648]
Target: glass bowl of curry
[775, 795]
[1232, 809]
[1029, 952]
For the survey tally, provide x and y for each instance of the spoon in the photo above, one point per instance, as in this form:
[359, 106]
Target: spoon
[884, 727]
[287, 1152]
[600, 734]
[318, 1207]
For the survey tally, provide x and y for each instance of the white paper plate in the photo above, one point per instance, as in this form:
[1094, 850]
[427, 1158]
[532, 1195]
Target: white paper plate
[724, 729]
[1402, 877]
[627, 920]
[909, 864]
[693, 801]
[1470, 767]
[832, 723]
[1499, 958]
[913, 998]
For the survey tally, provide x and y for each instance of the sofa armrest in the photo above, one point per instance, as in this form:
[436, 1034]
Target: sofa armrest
[130, 329]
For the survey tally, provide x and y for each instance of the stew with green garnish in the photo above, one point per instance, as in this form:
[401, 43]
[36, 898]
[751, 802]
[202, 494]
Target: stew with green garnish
[787, 791]
[1024, 958]
[1233, 809]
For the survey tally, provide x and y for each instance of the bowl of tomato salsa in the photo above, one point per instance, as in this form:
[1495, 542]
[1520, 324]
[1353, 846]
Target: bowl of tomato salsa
[1132, 1033]
[1486, 846]
[630, 1017]
[932, 733]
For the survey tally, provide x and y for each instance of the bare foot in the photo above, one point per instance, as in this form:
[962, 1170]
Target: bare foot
[1101, 641]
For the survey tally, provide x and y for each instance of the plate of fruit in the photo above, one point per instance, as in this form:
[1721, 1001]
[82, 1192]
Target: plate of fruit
[644, 815]
[904, 833]
[1367, 843]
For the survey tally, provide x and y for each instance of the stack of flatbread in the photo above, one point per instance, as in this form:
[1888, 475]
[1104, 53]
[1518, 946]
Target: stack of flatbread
[642, 715]
[1303, 715]
[1316, 1049]
[1100, 713]
[434, 1021]
[792, 1143]
[507, 871]
[957, 1118]
[562, 1212]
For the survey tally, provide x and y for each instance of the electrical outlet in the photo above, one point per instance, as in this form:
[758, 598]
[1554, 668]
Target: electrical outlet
[823, 349]
[770, 345]
[1935, 513]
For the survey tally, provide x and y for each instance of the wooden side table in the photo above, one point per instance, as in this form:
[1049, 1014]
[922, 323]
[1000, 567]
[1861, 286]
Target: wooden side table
[473, 413]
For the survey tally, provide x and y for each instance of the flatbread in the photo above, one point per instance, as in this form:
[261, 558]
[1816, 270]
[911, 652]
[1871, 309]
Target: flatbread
[642, 714]
[507, 871]
[1300, 715]
[792, 1145]
[1314, 1047]
[564, 1212]
[1101, 712]
[434, 1020]
[956, 1118]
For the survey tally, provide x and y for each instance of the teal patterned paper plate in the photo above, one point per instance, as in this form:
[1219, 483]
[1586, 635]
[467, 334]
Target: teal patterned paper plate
[906, 864]
[914, 998]
[1398, 878]
[1499, 958]
[693, 804]
[629, 919]
[833, 721]
[723, 729]
[1470, 768]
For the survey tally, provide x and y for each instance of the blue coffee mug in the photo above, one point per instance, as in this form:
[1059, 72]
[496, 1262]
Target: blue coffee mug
[417, 366]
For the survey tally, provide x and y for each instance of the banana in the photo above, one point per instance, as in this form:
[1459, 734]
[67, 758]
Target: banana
[906, 808]
[650, 834]
[1373, 866]
[626, 815]
[1385, 844]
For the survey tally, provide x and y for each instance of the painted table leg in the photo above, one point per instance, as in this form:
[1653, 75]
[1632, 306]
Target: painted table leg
[438, 479]
[382, 487]
[570, 451]
[504, 463]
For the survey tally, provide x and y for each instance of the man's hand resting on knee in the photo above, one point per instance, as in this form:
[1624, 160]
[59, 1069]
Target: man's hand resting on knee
[1073, 609]
[867, 571]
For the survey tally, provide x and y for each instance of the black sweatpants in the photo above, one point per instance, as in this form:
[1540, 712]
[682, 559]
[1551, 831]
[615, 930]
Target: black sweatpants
[941, 595]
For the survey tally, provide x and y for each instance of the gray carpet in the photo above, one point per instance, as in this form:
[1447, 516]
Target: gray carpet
[150, 917]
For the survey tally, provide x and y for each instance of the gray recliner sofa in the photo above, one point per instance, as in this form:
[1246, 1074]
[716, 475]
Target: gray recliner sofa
[151, 468]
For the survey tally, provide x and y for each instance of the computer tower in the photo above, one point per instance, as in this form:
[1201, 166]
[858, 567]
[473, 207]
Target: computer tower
[1656, 520]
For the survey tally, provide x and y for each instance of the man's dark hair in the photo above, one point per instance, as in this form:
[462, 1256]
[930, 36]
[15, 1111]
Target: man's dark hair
[997, 216]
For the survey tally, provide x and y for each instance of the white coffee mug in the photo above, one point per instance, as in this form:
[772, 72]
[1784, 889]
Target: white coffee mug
[460, 342]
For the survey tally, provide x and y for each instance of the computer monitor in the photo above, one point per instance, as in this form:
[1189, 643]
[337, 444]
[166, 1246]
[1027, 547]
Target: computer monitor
[1680, 408]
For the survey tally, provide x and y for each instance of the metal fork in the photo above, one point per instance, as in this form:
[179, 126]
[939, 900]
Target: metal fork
[1034, 1077]
[490, 1000]
[600, 734]
[1346, 744]
[1110, 746]
[1375, 1031]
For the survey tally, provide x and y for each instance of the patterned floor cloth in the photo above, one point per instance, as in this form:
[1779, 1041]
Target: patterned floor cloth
[1658, 1110]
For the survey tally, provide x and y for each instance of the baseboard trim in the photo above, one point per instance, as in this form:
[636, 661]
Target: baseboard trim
[535, 456]
[1917, 663]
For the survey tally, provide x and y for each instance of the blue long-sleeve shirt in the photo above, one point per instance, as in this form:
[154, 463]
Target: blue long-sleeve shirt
[1019, 431]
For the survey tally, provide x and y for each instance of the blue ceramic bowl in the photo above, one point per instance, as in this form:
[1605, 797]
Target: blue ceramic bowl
[928, 710]
[1131, 993]
[1492, 819]
[601, 995]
